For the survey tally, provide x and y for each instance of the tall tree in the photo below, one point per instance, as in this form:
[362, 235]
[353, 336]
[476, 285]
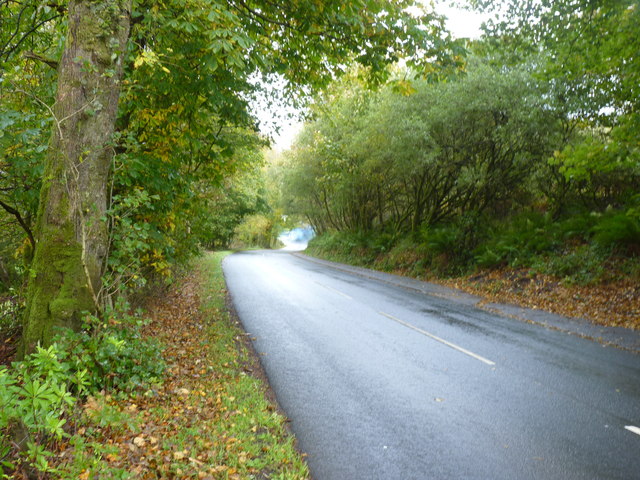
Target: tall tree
[589, 49]
[587, 52]
[71, 230]
[399, 164]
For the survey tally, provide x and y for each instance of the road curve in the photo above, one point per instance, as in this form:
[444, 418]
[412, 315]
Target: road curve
[384, 382]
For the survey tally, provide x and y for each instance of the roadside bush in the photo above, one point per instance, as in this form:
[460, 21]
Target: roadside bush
[258, 230]
[580, 265]
[114, 354]
[620, 229]
[575, 228]
[578, 248]
[405, 255]
[520, 240]
[380, 242]
[38, 393]
[358, 248]
[575, 248]
[333, 242]
[442, 238]
[444, 247]
[517, 242]
[35, 397]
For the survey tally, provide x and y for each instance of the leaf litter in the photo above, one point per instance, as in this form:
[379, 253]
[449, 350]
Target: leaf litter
[209, 419]
[614, 304]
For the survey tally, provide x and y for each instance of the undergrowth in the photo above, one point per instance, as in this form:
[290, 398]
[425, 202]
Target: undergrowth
[38, 395]
[584, 248]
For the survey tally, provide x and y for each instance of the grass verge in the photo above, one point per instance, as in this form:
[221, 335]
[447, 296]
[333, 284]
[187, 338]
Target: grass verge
[209, 419]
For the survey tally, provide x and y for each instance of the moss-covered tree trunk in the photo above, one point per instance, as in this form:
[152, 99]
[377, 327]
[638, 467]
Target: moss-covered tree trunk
[71, 231]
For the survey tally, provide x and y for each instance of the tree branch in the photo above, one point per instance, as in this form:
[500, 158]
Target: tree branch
[34, 56]
[285, 25]
[9, 209]
[7, 51]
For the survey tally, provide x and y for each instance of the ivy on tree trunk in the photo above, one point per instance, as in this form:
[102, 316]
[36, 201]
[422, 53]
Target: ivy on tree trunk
[71, 232]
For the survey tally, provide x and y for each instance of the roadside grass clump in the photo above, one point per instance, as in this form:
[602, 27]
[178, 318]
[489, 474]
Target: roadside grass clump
[348, 247]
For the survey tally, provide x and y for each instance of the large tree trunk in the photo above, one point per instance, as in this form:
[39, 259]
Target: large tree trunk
[71, 231]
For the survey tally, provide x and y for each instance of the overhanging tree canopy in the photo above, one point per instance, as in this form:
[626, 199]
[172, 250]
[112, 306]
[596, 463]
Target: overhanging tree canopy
[197, 57]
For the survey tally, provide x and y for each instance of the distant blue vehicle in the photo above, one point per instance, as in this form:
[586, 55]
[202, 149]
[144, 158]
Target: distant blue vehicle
[297, 238]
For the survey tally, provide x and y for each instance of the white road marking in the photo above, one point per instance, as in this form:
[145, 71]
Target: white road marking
[438, 339]
[633, 429]
[335, 291]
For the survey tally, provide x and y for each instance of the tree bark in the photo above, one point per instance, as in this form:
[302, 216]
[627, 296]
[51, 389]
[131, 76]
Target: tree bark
[71, 231]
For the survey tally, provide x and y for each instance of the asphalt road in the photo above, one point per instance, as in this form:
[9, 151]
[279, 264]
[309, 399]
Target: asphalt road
[383, 382]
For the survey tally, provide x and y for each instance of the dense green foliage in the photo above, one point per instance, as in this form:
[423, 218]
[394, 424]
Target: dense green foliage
[396, 163]
[529, 158]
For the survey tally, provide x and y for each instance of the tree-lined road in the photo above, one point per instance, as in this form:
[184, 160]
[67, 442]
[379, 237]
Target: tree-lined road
[380, 381]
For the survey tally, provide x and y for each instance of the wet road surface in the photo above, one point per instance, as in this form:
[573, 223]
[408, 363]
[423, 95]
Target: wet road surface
[385, 382]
